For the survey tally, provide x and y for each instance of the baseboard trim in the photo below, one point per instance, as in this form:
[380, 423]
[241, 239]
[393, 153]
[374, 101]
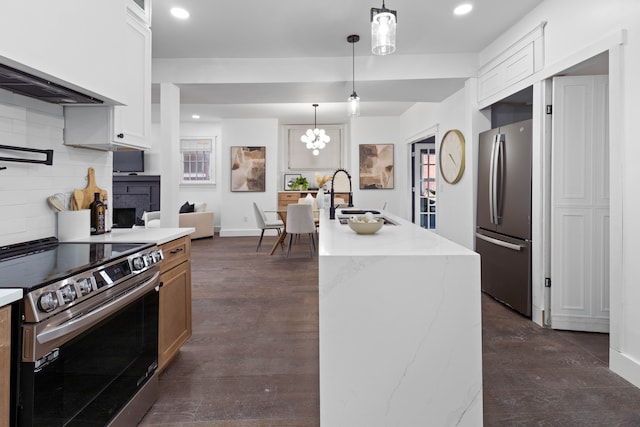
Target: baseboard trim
[625, 366]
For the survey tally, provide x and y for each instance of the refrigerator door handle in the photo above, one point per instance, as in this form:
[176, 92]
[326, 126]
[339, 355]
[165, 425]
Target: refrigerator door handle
[499, 242]
[492, 182]
[499, 177]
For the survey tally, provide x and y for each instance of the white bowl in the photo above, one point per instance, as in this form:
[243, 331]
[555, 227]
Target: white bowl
[363, 227]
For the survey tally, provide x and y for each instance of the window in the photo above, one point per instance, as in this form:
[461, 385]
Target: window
[197, 160]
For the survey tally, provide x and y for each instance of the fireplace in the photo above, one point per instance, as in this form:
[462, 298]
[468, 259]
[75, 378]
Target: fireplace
[132, 196]
[124, 217]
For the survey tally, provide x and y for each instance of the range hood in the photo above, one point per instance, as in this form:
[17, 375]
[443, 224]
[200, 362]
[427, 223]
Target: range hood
[29, 85]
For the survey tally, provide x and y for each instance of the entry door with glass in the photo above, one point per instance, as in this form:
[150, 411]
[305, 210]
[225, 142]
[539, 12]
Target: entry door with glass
[424, 179]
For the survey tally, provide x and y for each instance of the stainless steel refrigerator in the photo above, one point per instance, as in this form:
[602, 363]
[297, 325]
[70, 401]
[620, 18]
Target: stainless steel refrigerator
[503, 229]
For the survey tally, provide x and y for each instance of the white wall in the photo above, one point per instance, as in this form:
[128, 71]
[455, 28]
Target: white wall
[575, 31]
[415, 122]
[456, 203]
[24, 187]
[207, 193]
[456, 211]
[237, 217]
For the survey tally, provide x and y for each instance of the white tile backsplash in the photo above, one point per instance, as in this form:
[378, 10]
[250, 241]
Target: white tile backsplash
[24, 187]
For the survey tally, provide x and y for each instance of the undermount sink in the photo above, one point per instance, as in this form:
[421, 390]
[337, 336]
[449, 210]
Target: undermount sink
[358, 211]
[345, 219]
[343, 215]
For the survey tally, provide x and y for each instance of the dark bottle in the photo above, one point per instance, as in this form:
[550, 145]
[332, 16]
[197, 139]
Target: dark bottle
[97, 215]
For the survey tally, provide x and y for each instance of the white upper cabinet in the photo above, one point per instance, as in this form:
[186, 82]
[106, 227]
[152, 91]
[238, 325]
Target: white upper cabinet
[500, 77]
[99, 48]
[134, 120]
[128, 125]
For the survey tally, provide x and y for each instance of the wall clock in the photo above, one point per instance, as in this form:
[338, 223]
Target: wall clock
[452, 156]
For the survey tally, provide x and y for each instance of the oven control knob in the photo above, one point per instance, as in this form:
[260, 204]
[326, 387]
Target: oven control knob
[48, 302]
[157, 255]
[68, 293]
[85, 286]
[138, 263]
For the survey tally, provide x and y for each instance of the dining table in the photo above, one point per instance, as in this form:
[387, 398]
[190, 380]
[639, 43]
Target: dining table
[282, 214]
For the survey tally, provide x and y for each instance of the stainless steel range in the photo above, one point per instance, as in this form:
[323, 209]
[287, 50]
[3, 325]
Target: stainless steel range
[88, 331]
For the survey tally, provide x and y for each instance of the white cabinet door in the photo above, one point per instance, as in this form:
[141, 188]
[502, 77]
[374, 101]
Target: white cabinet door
[580, 205]
[129, 125]
[132, 123]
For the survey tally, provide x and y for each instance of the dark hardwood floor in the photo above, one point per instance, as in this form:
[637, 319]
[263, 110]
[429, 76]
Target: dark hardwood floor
[253, 357]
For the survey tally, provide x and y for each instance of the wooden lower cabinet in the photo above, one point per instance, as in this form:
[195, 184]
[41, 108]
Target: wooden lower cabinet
[174, 327]
[5, 365]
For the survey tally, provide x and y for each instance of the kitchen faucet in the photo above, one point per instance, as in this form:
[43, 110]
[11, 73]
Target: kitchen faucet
[332, 208]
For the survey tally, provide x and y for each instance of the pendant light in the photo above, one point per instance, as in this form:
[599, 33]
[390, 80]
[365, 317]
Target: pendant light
[315, 139]
[383, 30]
[353, 103]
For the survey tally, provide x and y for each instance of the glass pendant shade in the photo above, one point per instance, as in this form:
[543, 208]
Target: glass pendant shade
[353, 102]
[315, 139]
[383, 31]
[353, 105]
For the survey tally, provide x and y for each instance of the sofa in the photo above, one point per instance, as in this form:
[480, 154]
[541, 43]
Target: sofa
[196, 215]
[201, 221]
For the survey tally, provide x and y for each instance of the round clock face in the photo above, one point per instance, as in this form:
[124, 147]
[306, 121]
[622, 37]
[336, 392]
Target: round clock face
[452, 156]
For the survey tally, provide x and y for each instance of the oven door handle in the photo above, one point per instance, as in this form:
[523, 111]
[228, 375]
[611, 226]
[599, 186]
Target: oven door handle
[81, 323]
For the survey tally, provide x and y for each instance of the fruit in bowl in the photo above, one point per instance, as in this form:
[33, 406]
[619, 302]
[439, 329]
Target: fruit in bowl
[367, 224]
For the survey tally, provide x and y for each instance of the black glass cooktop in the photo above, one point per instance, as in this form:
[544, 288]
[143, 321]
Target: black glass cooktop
[31, 265]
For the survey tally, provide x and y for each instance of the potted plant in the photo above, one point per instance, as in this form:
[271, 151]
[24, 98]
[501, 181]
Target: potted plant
[300, 183]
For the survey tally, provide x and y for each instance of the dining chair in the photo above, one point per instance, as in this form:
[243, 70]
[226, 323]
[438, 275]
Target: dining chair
[151, 219]
[300, 221]
[265, 223]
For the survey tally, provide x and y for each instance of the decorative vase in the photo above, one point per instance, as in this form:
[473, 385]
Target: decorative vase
[320, 198]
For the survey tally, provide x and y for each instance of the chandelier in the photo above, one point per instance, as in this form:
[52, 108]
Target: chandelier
[383, 30]
[353, 103]
[315, 139]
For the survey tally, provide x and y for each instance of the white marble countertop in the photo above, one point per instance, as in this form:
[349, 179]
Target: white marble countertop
[7, 296]
[405, 238]
[140, 235]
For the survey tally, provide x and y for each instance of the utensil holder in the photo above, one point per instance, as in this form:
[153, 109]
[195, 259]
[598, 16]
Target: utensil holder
[74, 225]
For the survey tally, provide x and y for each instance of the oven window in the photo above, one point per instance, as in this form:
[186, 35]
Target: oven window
[97, 372]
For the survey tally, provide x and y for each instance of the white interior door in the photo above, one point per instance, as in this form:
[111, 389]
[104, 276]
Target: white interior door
[580, 204]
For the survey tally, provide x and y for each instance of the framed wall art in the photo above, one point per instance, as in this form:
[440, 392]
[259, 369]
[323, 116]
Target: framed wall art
[289, 179]
[248, 168]
[376, 166]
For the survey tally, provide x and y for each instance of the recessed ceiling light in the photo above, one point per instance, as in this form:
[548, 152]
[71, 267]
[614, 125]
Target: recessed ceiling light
[195, 116]
[463, 9]
[179, 12]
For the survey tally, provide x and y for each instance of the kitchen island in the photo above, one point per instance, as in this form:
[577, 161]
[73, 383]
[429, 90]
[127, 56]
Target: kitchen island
[400, 328]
